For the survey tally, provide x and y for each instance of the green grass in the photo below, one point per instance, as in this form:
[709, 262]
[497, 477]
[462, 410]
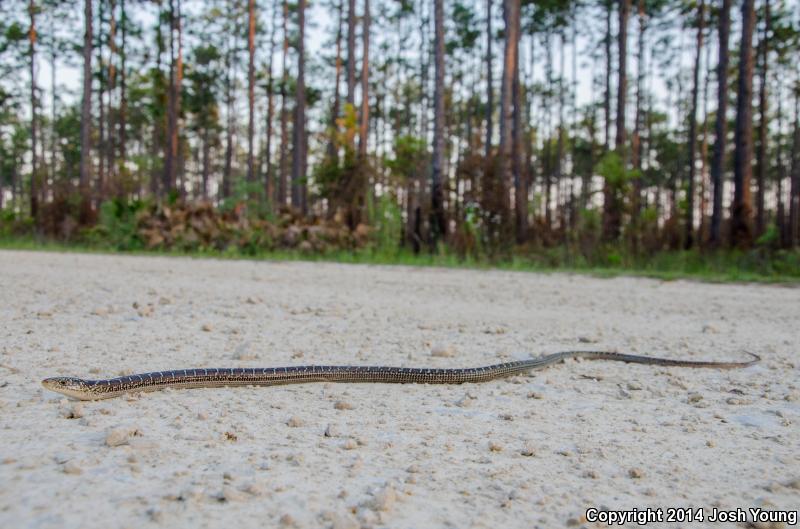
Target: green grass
[755, 266]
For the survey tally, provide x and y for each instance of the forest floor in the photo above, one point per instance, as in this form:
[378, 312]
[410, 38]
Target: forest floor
[532, 451]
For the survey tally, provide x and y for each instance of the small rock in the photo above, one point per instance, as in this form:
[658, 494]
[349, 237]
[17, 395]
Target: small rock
[332, 431]
[710, 329]
[736, 401]
[71, 467]
[694, 397]
[587, 339]
[464, 402]
[634, 386]
[201, 415]
[794, 484]
[385, 499]
[529, 450]
[294, 422]
[710, 443]
[118, 437]
[73, 412]
[341, 521]
[100, 311]
[145, 311]
[350, 444]
[164, 300]
[445, 351]
[535, 395]
[591, 474]
[230, 493]
[636, 473]
[251, 300]
[255, 489]
[287, 521]
[207, 327]
[343, 405]
[494, 446]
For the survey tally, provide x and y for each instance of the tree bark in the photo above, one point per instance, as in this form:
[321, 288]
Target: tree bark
[364, 126]
[335, 106]
[520, 181]
[607, 96]
[794, 192]
[688, 240]
[171, 151]
[86, 111]
[510, 14]
[299, 128]
[438, 221]
[32, 36]
[269, 185]
[741, 210]
[351, 52]
[112, 86]
[489, 81]
[612, 214]
[283, 169]
[251, 91]
[763, 123]
[123, 96]
[720, 124]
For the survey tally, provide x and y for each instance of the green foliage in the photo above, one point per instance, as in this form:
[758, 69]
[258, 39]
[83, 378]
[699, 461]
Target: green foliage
[410, 153]
[614, 172]
[386, 219]
[117, 226]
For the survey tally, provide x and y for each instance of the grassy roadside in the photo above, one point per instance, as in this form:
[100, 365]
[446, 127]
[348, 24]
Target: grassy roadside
[783, 268]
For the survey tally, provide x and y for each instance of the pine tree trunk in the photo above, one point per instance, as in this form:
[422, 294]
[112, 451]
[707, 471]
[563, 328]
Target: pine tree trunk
[335, 107]
[520, 182]
[351, 52]
[283, 169]
[206, 162]
[32, 36]
[86, 112]
[251, 91]
[438, 221]
[612, 214]
[721, 123]
[364, 126]
[171, 147]
[607, 97]
[110, 153]
[794, 192]
[100, 183]
[489, 81]
[741, 210]
[299, 126]
[123, 96]
[763, 124]
[510, 15]
[269, 184]
[636, 137]
[688, 240]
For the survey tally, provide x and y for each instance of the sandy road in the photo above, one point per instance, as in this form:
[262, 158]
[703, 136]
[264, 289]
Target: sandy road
[532, 451]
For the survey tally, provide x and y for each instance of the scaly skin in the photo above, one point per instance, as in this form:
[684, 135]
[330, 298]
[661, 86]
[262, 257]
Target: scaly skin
[270, 376]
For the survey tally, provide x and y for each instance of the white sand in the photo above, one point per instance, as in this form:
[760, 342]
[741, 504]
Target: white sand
[601, 434]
